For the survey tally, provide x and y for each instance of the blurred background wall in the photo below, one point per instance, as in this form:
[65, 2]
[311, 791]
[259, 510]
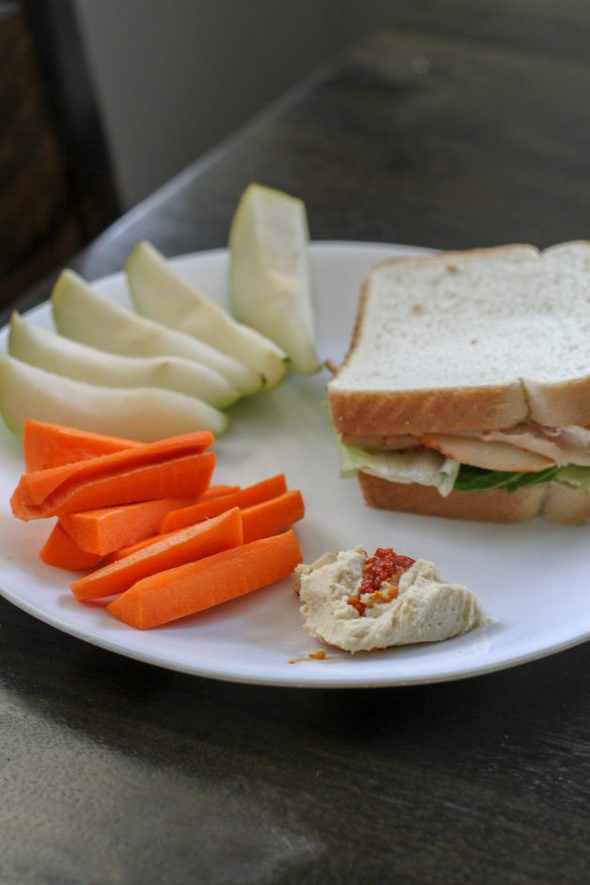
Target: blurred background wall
[173, 78]
[103, 101]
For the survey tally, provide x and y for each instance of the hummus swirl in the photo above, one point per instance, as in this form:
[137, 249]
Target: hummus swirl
[425, 609]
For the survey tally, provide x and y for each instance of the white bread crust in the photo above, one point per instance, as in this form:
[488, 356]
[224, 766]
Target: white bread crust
[436, 411]
[470, 406]
[551, 500]
[564, 504]
[493, 506]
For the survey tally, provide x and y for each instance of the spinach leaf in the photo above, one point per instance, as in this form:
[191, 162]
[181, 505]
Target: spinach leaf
[476, 479]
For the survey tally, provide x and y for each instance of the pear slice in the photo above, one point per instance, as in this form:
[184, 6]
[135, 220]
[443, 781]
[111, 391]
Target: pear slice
[160, 294]
[142, 413]
[82, 314]
[488, 455]
[269, 282]
[47, 350]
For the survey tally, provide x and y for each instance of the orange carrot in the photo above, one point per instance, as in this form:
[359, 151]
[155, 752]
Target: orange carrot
[270, 517]
[214, 503]
[203, 509]
[184, 546]
[263, 490]
[195, 586]
[111, 528]
[140, 545]
[217, 490]
[34, 487]
[51, 445]
[260, 520]
[62, 551]
[197, 512]
[164, 479]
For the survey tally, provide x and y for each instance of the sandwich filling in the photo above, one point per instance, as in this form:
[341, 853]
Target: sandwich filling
[510, 458]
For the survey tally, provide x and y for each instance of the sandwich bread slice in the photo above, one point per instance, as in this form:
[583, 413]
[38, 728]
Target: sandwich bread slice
[466, 389]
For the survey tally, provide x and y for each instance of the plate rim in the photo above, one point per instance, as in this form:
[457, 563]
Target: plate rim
[319, 680]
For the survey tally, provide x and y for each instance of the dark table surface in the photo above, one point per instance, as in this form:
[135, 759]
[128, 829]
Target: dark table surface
[115, 771]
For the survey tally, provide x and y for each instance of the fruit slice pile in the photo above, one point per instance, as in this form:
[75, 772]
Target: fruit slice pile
[176, 360]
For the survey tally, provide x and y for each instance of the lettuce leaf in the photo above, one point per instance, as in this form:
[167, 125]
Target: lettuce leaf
[477, 479]
[575, 476]
[426, 467]
[430, 468]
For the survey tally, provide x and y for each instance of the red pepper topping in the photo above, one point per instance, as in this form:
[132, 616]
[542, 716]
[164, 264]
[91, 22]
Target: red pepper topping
[385, 566]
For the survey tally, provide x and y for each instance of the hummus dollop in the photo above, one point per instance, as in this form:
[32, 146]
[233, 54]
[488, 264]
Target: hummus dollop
[425, 609]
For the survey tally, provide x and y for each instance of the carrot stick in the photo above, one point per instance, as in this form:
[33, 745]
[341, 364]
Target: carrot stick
[34, 487]
[198, 511]
[125, 549]
[189, 544]
[51, 445]
[111, 528]
[214, 502]
[263, 490]
[141, 545]
[61, 551]
[216, 491]
[270, 517]
[166, 479]
[254, 494]
[260, 520]
[195, 586]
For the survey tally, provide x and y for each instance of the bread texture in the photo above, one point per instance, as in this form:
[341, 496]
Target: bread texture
[469, 340]
[550, 500]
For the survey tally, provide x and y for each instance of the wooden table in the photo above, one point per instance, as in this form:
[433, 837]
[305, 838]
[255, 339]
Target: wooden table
[117, 771]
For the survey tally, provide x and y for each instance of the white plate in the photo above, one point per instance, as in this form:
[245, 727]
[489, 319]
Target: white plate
[533, 579]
